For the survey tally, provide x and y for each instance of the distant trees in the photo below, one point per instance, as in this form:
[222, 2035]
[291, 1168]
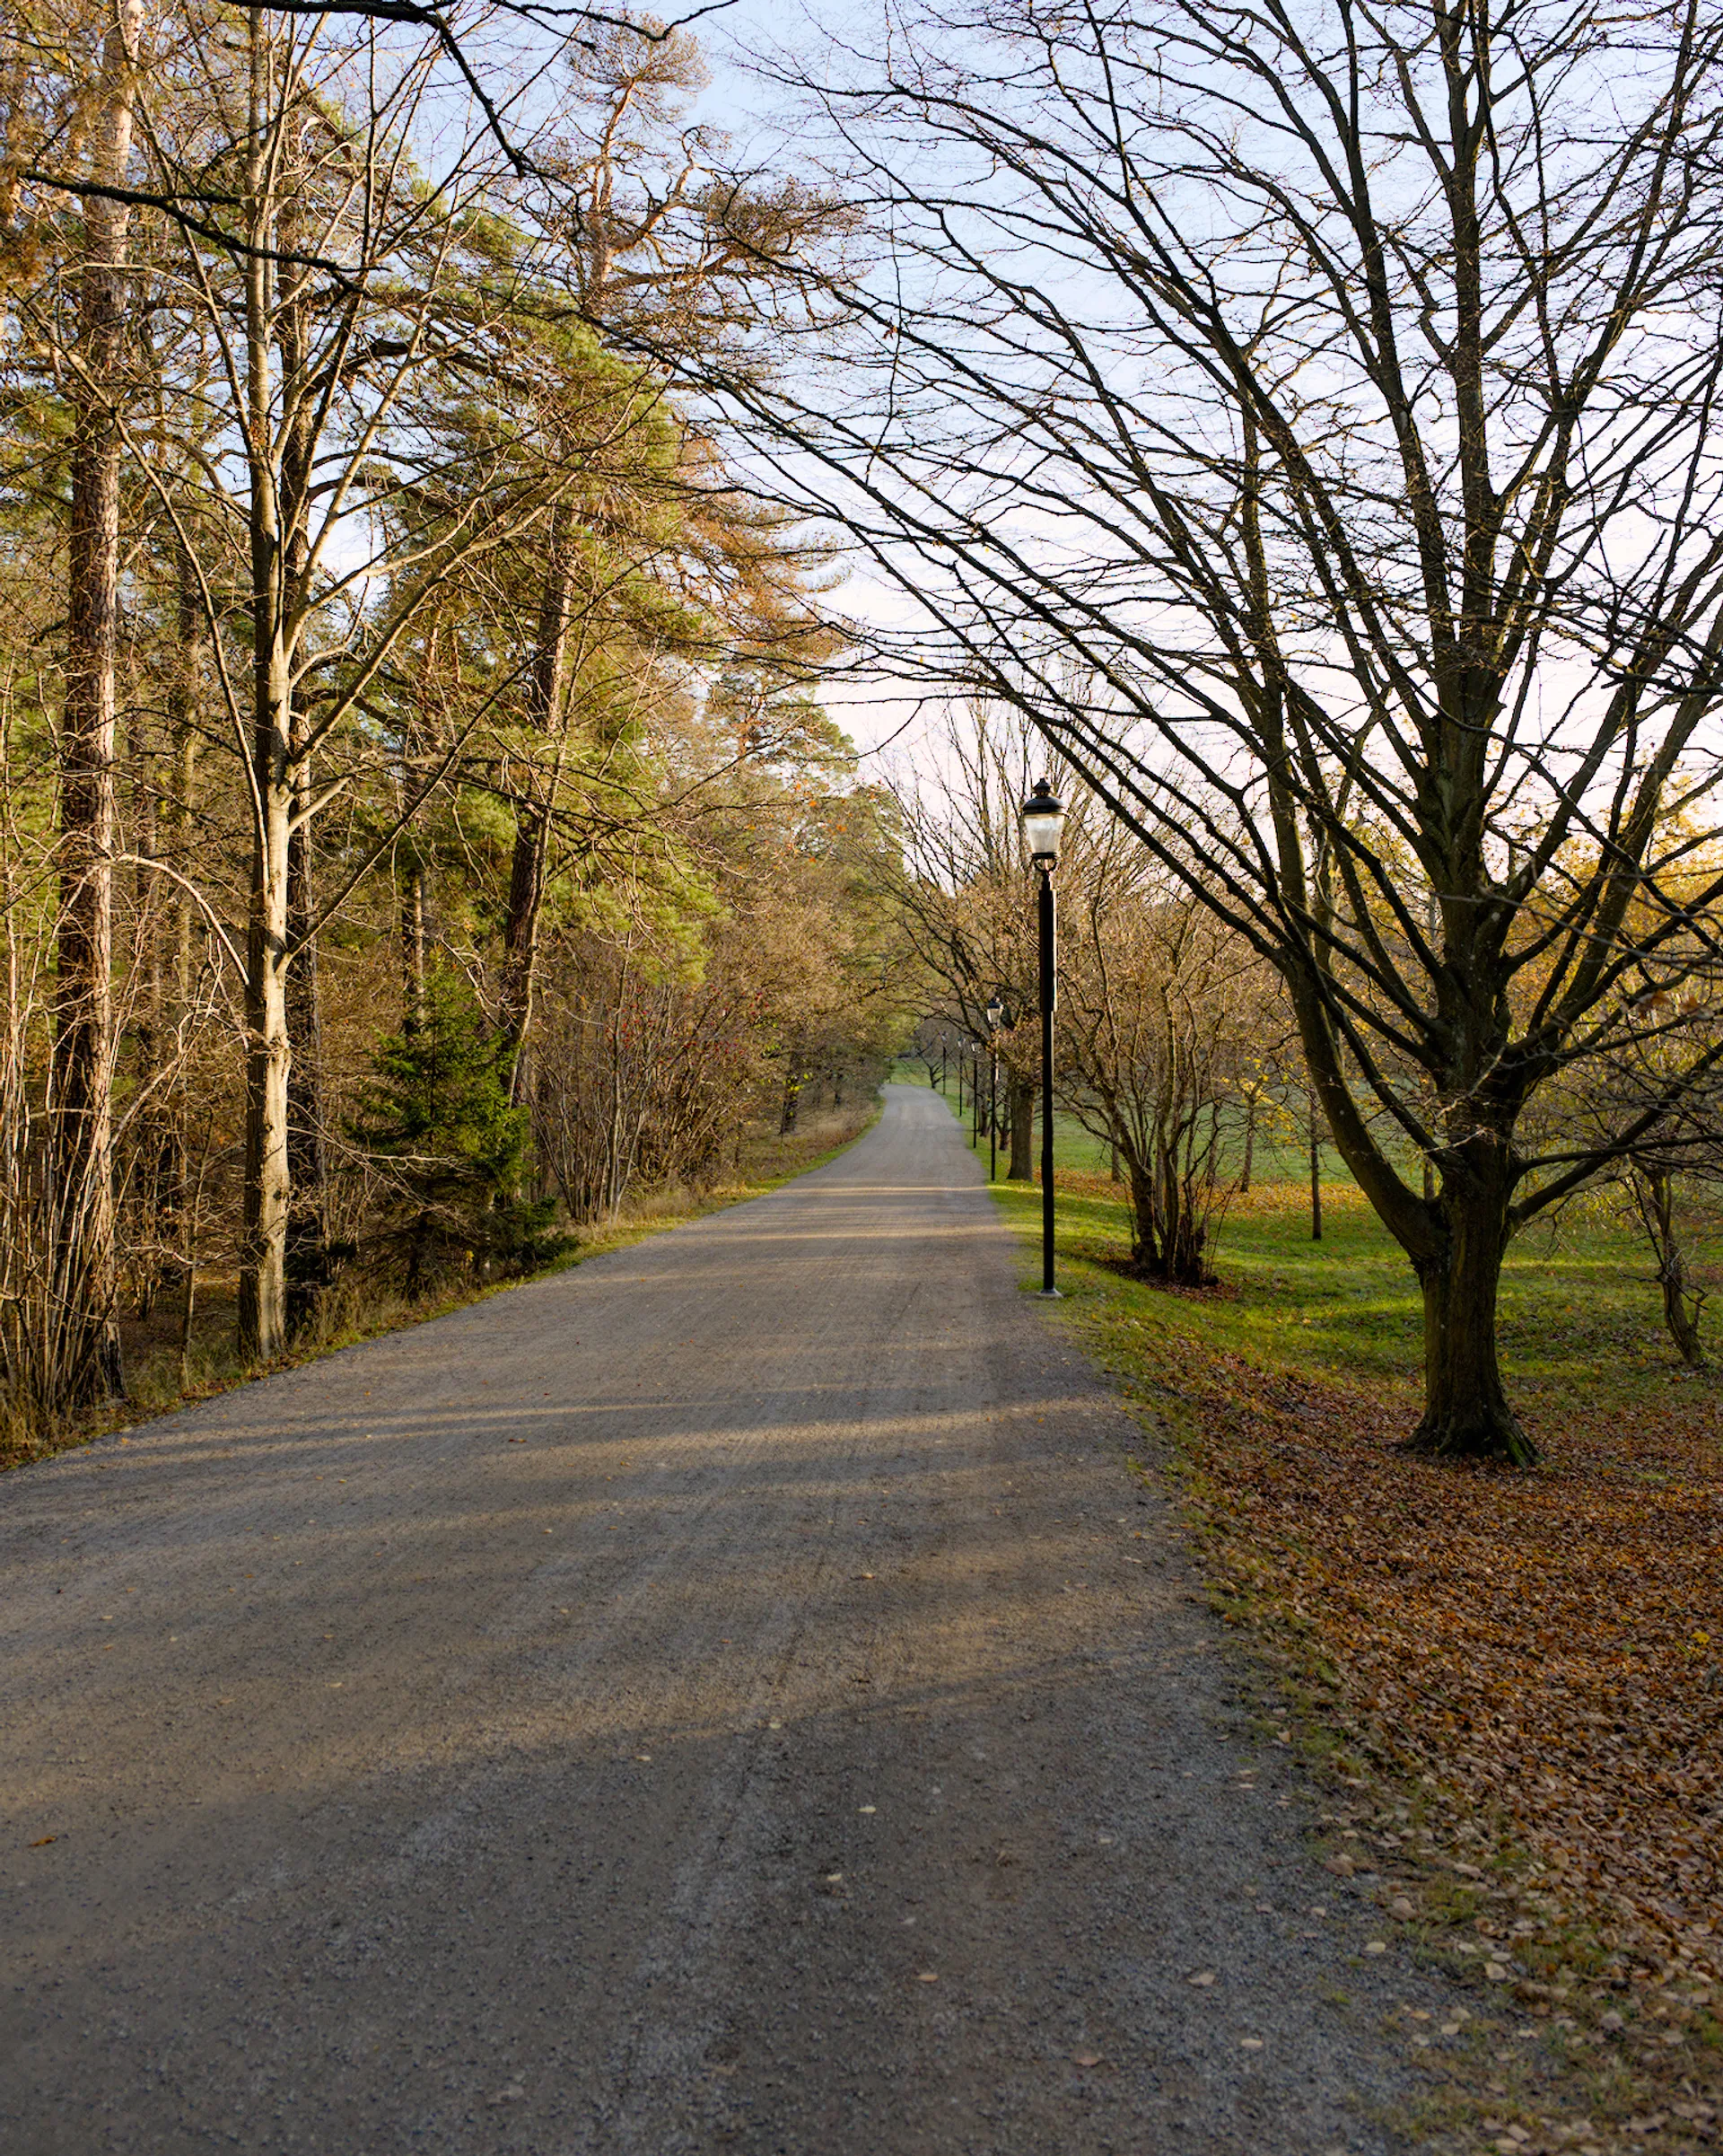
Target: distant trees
[1166, 1017]
[1307, 420]
[965, 899]
[1162, 1012]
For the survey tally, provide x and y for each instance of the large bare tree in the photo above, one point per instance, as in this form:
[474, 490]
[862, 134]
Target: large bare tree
[1305, 414]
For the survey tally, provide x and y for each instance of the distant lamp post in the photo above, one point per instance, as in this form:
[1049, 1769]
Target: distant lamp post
[995, 1018]
[1044, 820]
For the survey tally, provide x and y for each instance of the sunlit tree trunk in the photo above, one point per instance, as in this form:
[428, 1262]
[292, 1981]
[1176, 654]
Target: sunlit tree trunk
[263, 1297]
[307, 1255]
[185, 691]
[83, 1067]
[533, 822]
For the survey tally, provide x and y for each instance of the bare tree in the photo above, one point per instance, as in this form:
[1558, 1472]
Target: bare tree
[965, 894]
[1306, 418]
[333, 468]
[1160, 1008]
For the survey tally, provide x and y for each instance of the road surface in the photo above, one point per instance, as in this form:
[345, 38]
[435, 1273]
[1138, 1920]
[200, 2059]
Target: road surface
[731, 1695]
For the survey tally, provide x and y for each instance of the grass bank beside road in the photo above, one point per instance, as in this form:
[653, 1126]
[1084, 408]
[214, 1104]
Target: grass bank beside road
[362, 1309]
[1517, 1678]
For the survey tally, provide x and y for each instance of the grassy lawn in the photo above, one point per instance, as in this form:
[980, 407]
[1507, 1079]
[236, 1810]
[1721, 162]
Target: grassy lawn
[1514, 1681]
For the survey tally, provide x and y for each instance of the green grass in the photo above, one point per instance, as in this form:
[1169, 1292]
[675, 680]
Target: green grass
[1077, 1150]
[1411, 1637]
[1579, 1308]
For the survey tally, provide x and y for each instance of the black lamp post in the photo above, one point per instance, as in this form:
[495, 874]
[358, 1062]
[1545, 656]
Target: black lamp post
[995, 1018]
[1044, 819]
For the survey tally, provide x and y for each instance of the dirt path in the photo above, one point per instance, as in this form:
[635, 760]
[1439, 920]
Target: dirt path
[715, 1699]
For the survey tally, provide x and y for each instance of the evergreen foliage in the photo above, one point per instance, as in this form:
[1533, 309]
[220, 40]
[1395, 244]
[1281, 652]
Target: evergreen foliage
[436, 1120]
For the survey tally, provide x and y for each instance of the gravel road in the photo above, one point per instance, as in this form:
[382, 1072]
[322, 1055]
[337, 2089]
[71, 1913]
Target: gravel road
[730, 1696]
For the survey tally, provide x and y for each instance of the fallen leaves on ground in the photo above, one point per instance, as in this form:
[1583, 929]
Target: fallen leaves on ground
[1546, 1642]
[1524, 1670]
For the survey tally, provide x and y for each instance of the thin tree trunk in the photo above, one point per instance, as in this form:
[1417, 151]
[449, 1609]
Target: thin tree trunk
[533, 823]
[1250, 1149]
[306, 1259]
[83, 1060]
[152, 1169]
[790, 1107]
[413, 949]
[184, 700]
[1654, 1189]
[263, 1250]
[191, 1212]
[1022, 1106]
[1315, 1170]
[262, 1319]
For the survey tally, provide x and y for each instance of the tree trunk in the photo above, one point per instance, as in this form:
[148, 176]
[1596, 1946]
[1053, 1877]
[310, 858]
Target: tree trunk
[263, 1250]
[1466, 1414]
[1022, 1108]
[272, 511]
[81, 1082]
[184, 703]
[1455, 1243]
[153, 1175]
[1145, 1217]
[413, 949]
[1682, 1302]
[789, 1109]
[1250, 1150]
[533, 823]
[306, 1261]
[306, 1256]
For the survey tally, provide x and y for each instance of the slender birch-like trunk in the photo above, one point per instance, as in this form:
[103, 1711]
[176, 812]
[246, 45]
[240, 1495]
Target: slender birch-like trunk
[267, 1189]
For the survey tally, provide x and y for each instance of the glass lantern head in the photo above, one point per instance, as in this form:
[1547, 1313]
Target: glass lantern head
[1044, 819]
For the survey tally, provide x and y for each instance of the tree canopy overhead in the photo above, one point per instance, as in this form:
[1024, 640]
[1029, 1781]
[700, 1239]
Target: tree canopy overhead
[1305, 416]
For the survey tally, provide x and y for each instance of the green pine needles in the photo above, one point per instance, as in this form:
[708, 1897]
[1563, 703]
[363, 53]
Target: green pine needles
[437, 1125]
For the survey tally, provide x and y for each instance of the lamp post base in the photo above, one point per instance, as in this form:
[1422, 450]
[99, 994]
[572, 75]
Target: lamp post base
[1051, 1295]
